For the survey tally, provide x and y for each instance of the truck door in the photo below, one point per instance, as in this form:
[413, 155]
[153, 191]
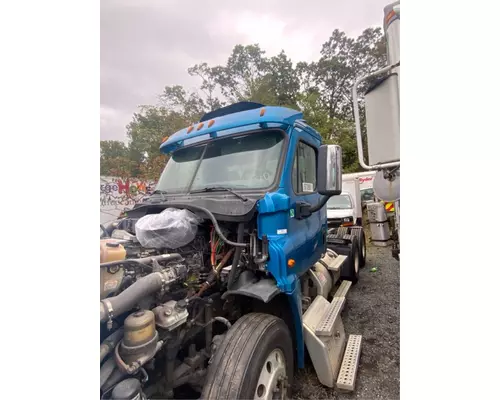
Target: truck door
[305, 236]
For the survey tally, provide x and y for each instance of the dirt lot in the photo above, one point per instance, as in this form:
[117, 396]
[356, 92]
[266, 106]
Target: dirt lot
[373, 311]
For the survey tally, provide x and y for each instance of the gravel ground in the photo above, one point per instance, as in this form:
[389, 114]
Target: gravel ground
[372, 310]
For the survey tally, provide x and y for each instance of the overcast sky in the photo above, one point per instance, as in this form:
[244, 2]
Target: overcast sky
[148, 44]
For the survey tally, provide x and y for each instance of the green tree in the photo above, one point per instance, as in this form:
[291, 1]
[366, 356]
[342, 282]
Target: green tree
[343, 59]
[188, 106]
[115, 160]
[146, 131]
[208, 85]
[321, 90]
[243, 73]
[282, 80]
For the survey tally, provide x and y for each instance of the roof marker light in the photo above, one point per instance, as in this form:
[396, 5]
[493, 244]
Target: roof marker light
[389, 16]
[262, 112]
[210, 123]
[199, 126]
[190, 129]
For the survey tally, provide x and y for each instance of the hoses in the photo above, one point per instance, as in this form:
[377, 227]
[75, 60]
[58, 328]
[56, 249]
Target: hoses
[237, 255]
[114, 306]
[144, 261]
[238, 244]
[110, 342]
[110, 375]
[214, 274]
[223, 262]
[106, 370]
[138, 363]
[264, 253]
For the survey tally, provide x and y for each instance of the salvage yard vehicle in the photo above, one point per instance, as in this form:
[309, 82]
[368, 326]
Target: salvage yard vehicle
[227, 274]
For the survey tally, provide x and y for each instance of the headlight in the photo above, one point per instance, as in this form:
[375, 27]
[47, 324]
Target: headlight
[347, 219]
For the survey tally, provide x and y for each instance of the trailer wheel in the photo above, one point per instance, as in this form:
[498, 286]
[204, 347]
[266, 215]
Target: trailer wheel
[350, 270]
[342, 231]
[360, 235]
[254, 361]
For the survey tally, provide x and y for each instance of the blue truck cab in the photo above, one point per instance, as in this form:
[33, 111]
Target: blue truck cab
[258, 178]
[271, 157]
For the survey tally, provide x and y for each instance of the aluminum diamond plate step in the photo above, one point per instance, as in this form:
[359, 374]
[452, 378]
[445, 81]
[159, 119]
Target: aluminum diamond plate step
[325, 326]
[343, 289]
[347, 375]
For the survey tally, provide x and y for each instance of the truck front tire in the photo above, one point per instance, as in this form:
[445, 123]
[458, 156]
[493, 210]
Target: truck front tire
[254, 361]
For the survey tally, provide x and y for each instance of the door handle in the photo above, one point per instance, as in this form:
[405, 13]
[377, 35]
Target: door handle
[302, 209]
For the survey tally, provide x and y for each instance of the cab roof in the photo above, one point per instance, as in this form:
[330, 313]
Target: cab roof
[239, 115]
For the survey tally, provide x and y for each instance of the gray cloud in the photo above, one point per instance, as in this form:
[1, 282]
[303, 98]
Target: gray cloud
[147, 44]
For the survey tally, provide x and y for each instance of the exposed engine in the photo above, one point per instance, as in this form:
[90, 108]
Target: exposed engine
[164, 306]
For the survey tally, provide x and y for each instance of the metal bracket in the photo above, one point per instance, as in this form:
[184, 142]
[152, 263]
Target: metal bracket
[109, 323]
[359, 139]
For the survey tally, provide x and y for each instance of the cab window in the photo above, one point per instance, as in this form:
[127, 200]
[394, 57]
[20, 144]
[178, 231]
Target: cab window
[304, 169]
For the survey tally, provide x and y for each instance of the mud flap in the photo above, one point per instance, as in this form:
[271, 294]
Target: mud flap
[248, 285]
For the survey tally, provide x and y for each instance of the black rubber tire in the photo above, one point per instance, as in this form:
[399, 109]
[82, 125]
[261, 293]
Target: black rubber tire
[360, 235]
[235, 370]
[348, 271]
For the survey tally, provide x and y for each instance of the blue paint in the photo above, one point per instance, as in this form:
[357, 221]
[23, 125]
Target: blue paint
[304, 239]
[296, 306]
[289, 237]
[277, 115]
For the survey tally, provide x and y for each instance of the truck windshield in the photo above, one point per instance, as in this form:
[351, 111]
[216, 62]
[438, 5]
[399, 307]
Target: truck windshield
[341, 202]
[242, 162]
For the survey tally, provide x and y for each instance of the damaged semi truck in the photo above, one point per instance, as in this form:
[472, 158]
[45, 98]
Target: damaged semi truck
[217, 285]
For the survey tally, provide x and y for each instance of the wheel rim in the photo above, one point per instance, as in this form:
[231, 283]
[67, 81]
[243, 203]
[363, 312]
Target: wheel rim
[363, 249]
[356, 263]
[272, 379]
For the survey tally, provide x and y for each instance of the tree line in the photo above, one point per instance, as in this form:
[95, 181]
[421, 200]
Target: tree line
[320, 89]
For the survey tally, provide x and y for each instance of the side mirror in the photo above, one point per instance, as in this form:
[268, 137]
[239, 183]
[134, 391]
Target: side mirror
[330, 170]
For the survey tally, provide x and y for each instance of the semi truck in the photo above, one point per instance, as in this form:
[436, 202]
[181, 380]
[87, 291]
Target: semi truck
[382, 109]
[234, 273]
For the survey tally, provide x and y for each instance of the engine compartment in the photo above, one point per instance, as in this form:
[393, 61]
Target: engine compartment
[162, 309]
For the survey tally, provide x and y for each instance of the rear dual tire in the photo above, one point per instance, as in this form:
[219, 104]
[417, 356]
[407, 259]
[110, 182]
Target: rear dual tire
[350, 268]
[360, 235]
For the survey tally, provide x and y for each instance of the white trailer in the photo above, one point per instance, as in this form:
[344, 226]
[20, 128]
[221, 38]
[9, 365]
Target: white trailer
[382, 121]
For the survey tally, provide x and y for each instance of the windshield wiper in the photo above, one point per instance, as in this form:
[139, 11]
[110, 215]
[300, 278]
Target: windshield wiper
[162, 194]
[219, 189]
